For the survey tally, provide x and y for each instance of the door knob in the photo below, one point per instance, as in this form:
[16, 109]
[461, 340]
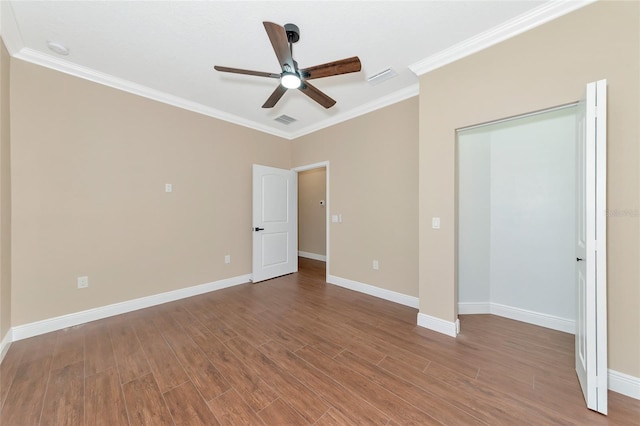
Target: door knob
[578, 259]
[258, 229]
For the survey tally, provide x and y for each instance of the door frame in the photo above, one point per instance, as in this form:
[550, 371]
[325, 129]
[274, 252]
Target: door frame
[320, 165]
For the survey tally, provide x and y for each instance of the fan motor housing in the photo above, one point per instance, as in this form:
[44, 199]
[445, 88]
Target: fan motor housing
[293, 32]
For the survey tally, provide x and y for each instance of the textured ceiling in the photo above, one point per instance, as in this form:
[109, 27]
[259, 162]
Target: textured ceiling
[167, 50]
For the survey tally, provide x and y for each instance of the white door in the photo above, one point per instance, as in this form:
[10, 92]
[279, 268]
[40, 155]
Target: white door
[591, 255]
[275, 222]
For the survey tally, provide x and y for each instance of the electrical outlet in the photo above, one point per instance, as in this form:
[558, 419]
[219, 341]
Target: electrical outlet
[376, 265]
[227, 258]
[83, 282]
[168, 187]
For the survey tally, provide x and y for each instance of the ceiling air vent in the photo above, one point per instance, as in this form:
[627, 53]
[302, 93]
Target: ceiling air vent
[381, 76]
[285, 119]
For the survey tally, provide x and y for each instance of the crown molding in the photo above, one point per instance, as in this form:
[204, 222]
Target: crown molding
[48, 61]
[61, 65]
[392, 98]
[9, 29]
[518, 25]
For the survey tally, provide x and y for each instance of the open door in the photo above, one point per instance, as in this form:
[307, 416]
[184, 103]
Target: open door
[275, 222]
[591, 248]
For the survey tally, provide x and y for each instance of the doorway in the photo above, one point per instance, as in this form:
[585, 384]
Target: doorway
[312, 224]
[516, 218]
[313, 212]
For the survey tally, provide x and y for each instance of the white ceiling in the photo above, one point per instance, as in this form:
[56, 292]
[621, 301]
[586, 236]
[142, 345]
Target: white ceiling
[166, 50]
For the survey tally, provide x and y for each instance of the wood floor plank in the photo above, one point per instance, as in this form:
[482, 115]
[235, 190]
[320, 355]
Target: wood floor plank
[188, 408]
[436, 407]
[163, 363]
[202, 373]
[230, 409]
[144, 402]
[301, 327]
[23, 405]
[253, 389]
[69, 348]
[333, 418]
[279, 413]
[272, 332]
[515, 405]
[98, 348]
[385, 401]
[471, 401]
[39, 346]
[350, 405]
[104, 401]
[8, 369]
[301, 398]
[130, 358]
[64, 399]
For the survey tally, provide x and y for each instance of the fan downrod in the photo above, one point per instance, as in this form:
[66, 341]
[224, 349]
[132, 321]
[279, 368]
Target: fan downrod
[293, 32]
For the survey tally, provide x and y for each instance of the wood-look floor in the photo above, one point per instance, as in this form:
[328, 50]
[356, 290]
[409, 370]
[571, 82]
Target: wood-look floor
[291, 351]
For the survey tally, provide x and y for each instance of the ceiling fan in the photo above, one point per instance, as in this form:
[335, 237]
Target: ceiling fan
[291, 77]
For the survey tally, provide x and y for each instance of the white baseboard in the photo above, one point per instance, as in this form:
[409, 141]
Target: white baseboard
[439, 325]
[625, 384]
[312, 256]
[372, 290]
[5, 344]
[58, 323]
[536, 318]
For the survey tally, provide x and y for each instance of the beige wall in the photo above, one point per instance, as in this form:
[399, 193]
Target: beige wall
[312, 217]
[373, 175]
[89, 168]
[5, 196]
[544, 67]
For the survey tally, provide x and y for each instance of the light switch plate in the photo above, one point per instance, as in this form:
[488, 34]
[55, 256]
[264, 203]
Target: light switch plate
[435, 222]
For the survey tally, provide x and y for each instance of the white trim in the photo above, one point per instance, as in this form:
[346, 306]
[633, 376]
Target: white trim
[392, 296]
[313, 256]
[58, 323]
[385, 101]
[530, 317]
[5, 344]
[543, 320]
[624, 384]
[313, 166]
[436, 324]
[518, 25]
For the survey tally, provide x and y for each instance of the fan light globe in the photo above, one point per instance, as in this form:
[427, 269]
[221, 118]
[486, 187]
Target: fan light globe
[290, 80]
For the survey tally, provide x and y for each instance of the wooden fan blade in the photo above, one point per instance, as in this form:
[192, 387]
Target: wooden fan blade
[247, 72]
[275, 97]
[343, 66]
[315, 94]
[278, 37]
